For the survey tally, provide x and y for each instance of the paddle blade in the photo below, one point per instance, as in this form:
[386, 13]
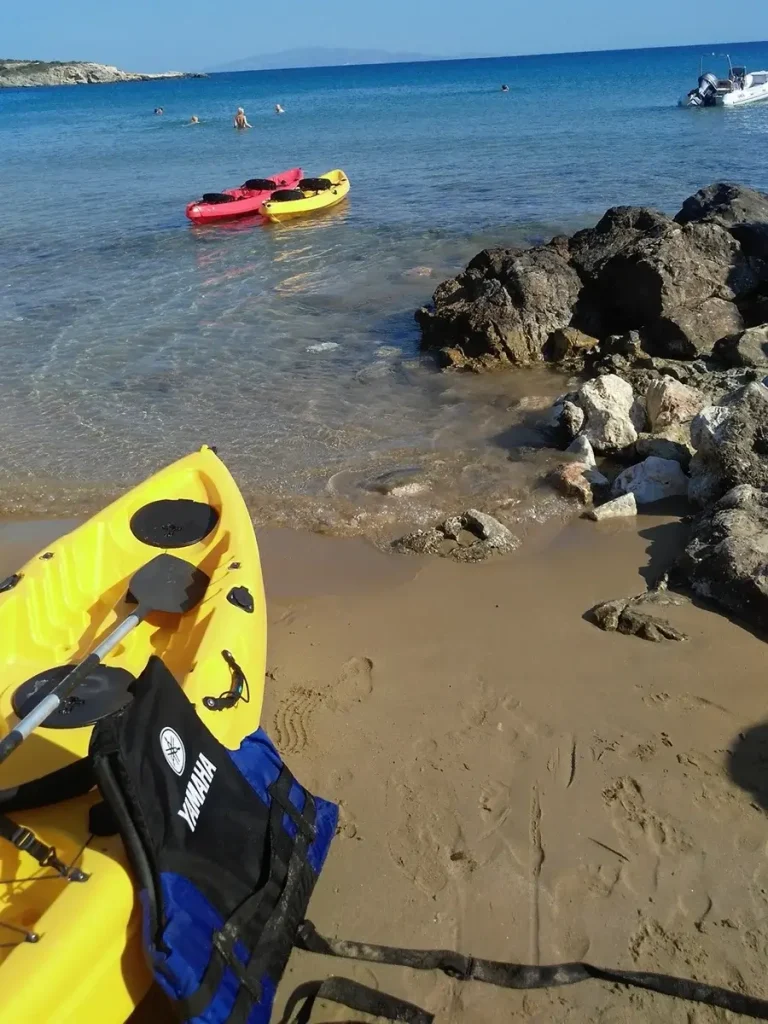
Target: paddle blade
[168, 584]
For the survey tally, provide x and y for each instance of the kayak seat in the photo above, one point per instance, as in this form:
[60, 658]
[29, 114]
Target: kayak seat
[173, 523]
[217, 197]
[315, 184]
[260, 185]
[286, 195]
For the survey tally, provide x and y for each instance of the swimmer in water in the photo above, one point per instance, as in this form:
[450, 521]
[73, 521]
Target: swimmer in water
[194, 119]
[158, 110]
[241, 121]
[505, 88]
[279, 109]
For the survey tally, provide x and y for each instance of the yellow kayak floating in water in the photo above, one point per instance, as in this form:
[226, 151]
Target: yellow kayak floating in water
[71, 951]
[312, 195]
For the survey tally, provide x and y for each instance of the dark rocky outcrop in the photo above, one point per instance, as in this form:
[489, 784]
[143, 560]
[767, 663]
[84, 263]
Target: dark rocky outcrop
[726, 561]
[666, 288]
[502, 309]
[740, 210]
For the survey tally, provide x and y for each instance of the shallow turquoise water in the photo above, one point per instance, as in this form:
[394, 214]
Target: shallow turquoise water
[128, 337]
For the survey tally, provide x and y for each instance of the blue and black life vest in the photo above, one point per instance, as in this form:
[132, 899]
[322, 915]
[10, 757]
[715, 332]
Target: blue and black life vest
[226, 847]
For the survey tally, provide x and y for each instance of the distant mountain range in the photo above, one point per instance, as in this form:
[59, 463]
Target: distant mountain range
[320, 56]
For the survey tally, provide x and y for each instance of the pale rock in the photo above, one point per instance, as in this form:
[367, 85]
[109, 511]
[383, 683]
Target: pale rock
[652, 480]
[626, 505]
[705, 426]
[671, 407]
[583, 450]
[607, 403]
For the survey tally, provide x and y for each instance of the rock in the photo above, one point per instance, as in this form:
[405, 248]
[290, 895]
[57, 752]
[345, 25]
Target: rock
[572, 418]
[726, 560]
[731, 441]
[501, 309]
[488, 529]
[569, 345]
[652, 480]
[399, 482]
[742, 211]
[607, 403]
[623, 616]
[25, 73]
[581, 448]
[569, 480]
[750, 348]
[606, 615]
[680, 285]
[469, 537]
[648, 627]
[617, 230]
[671, 407]
[662, 448]
[626, 505]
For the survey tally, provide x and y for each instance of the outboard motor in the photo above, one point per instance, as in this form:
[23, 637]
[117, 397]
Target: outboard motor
[704, 94]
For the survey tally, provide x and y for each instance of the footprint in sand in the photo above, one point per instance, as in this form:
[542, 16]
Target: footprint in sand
[427, 844]
[646, 837]
[572, 895]
[353, 686]
[291, 721]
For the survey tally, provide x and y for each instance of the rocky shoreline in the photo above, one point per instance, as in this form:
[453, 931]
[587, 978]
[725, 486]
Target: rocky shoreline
[22, 74]
[665, 320]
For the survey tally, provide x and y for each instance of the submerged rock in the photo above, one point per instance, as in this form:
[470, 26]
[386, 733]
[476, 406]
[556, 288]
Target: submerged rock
[469, 537]
[570, 480]
[652, 480]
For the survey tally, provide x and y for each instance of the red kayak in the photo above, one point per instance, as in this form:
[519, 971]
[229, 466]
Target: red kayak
[238, 202]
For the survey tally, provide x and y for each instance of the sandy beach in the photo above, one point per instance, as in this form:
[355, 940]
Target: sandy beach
[513, 782]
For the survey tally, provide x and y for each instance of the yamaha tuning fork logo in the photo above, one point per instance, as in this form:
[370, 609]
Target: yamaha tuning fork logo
[173, 750]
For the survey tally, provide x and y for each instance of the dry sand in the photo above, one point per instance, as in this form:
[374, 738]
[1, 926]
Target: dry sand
[513, 782]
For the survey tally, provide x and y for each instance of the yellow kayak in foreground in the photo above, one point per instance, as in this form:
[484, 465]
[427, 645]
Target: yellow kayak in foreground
[87, 965]
[313, 199]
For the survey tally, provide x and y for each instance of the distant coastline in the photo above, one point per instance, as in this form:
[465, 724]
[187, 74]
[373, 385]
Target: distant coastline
[21, 74]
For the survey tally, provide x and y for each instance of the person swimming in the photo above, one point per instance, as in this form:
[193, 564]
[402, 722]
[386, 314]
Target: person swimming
[194, 119]
[241, 121]
[158, 110]
[505, 88]
[279, 109]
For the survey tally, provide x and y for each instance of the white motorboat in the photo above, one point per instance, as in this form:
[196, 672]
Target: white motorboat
[740, 87]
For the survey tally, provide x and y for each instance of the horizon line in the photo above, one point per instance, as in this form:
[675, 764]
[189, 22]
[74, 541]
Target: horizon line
[501, 56]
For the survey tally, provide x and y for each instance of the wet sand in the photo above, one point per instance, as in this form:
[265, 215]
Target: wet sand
[513, 782]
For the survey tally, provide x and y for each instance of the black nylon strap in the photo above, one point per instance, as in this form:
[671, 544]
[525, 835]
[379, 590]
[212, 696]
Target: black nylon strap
[65, 783]
[354, 996]
[24, 839]
[520, 976]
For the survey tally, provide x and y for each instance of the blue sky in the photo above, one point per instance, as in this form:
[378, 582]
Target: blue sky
[154, 35]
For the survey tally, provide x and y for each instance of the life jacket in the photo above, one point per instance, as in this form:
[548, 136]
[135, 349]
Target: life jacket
[226, 847]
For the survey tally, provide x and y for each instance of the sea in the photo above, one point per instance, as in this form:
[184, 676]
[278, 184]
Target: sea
[129, 337]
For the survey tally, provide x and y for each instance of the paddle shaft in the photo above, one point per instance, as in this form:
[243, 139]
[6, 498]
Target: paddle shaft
[59, 694]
